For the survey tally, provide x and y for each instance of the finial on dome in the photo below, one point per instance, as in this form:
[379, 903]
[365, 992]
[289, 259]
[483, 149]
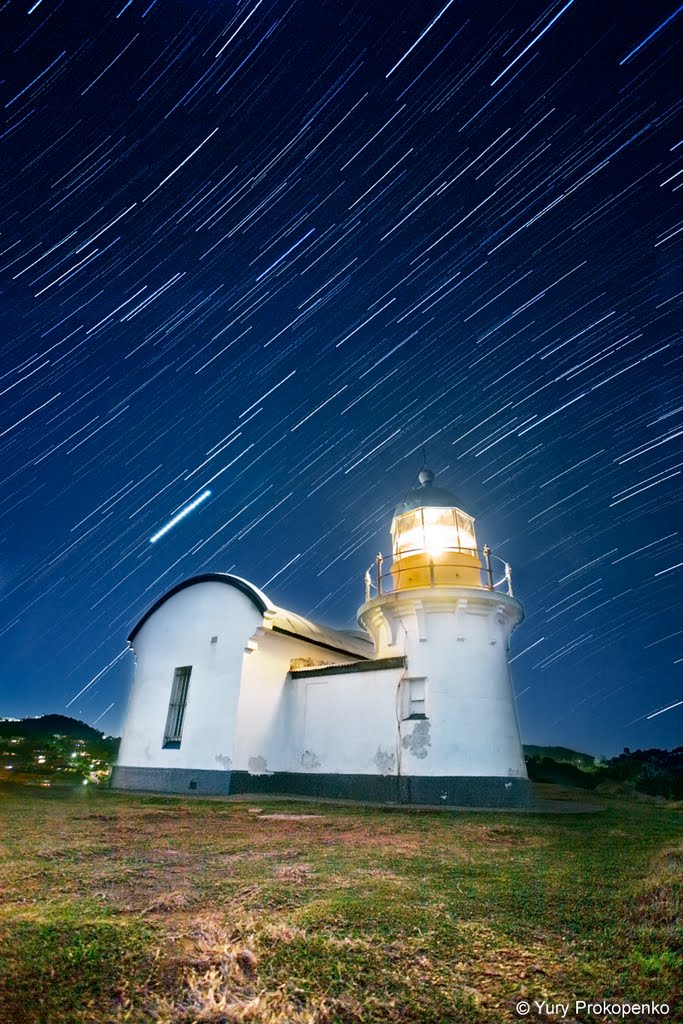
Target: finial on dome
[425, 476]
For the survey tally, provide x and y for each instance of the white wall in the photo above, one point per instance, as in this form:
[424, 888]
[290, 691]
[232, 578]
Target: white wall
[268, 735]
[457, 639]
[341, 723]
[345, 724]
[177, 634]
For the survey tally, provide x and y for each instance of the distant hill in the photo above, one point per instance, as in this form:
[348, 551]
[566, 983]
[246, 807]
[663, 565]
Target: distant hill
[563, 755]
[54, 750]
[49, 725]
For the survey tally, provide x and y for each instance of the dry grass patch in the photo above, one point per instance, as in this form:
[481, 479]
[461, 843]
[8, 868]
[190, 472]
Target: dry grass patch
[222, 985]
[218, 983]
[293, 872]
[499, 973]
[657, 915]
[661, 905]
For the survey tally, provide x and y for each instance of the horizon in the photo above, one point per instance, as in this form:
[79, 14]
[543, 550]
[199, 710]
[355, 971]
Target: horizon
[540, 746]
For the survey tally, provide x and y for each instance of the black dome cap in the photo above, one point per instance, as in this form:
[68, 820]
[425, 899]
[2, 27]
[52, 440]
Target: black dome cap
[427, 495]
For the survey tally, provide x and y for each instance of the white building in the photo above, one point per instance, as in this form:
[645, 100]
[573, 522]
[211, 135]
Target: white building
[234, 695]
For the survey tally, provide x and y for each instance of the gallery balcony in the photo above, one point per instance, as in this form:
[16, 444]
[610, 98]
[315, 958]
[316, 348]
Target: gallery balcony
[447, 567]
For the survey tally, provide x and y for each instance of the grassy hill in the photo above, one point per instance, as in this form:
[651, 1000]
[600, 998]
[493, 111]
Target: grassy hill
[563, 755]
[128, 908]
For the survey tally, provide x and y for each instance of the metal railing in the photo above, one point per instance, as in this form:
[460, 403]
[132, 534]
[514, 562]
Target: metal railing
[380, 581]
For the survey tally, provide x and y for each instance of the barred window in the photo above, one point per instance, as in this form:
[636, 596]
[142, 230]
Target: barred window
[176, 707]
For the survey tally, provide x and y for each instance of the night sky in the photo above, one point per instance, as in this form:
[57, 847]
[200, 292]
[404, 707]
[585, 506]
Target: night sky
[274, 248]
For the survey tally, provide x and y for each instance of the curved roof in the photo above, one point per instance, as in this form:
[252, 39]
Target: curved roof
[278, 619]
[257, 597]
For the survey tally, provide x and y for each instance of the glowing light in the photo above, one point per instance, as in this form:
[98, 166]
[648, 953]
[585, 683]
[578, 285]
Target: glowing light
[181, 515]
[434, 531]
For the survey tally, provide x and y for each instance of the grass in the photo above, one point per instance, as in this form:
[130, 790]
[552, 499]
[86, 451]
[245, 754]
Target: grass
[124, 908]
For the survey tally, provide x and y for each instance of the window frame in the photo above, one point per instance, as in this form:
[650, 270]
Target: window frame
[411, 703]
[177, 706]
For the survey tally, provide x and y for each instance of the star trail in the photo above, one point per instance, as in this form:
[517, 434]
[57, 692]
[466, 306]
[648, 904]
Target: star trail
[273, 249]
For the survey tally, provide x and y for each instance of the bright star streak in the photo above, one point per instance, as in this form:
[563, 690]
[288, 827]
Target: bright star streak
[420, 38]
[104, 712]
[655, 713]
[99, 675]
[181, 515]
[647, 38]
[534, 40]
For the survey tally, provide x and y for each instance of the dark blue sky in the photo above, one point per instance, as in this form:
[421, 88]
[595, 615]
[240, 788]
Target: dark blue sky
[273, 248]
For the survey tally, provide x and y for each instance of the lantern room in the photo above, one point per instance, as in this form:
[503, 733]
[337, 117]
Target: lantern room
[434, 543]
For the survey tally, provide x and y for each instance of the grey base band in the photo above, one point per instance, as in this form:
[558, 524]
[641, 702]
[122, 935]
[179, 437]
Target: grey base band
[447, 791]
[171, 780]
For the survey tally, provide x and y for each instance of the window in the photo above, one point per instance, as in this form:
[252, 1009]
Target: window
[176, 707]
[433, 530]
[415, 705]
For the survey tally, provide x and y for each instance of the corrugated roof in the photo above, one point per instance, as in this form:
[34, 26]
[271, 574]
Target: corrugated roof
[370, 665]
[345, 641]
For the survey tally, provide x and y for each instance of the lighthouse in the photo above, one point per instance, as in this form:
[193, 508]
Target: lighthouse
[442, 610]
[235, 694]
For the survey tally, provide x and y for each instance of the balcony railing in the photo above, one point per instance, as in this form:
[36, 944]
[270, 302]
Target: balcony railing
[379, 580]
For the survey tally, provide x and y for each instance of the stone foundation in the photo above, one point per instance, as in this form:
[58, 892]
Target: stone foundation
[451, 791]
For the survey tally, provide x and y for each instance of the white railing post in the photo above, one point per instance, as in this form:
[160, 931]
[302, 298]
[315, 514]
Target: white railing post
[489, 571]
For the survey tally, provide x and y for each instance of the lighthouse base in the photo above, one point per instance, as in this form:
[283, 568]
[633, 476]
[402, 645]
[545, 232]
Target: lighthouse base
[444, 791]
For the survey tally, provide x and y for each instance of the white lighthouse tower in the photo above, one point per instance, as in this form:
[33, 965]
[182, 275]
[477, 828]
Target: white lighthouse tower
[441, 609]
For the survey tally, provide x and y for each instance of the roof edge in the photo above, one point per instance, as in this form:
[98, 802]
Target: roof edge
[257, 597]
[319, 643]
